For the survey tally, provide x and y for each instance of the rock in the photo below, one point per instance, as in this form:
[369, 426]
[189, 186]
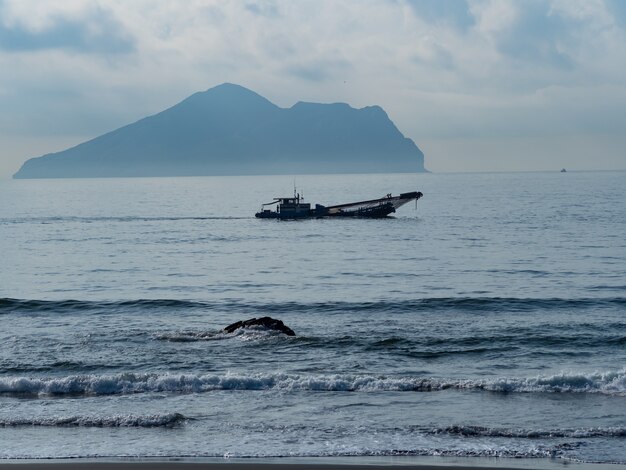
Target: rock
[267, 322]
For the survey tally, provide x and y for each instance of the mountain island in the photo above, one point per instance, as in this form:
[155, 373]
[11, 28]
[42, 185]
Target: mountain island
[230, 130]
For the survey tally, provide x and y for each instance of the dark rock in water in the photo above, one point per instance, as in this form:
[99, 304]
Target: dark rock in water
[267, 322]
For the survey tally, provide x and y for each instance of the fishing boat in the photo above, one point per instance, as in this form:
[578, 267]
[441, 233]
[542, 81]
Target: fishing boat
[294, 208]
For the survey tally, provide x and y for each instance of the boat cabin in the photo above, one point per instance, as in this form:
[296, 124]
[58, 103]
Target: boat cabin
[287, 208]
[292, 207]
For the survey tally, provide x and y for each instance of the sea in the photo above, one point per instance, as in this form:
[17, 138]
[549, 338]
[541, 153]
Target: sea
[486, 321]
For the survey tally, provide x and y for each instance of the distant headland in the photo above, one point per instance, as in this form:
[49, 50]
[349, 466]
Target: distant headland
[230, 130]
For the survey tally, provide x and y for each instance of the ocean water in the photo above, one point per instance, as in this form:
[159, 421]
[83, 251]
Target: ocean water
[488, 321]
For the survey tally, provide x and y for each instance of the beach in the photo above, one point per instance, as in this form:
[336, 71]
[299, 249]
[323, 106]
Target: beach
[373, 463]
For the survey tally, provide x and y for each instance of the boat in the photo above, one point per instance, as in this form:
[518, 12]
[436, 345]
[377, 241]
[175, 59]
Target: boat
[563, 170]
[295, 208]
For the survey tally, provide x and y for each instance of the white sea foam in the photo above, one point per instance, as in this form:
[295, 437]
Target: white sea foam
[249, 333]
[609, 383]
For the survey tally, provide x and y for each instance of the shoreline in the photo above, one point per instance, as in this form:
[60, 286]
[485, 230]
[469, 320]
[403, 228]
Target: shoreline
[303, 463]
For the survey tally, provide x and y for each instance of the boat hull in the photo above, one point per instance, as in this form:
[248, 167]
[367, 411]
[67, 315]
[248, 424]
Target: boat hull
[373, 213]
[277, 215]
[373, 209]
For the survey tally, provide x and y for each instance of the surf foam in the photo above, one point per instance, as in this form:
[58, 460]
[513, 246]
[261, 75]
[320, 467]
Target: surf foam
[609, 383]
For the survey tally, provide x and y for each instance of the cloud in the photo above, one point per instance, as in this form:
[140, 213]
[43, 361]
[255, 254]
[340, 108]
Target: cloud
[442, 69]
[264, 8]
[319, 70]
[455, 13]
[313, 73]
[617, 8]
[434, 55]
[98, 32]
[539, 34]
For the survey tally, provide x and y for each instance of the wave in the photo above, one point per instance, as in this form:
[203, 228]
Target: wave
[480, 431]
[8, 305]
[535, 452]
[535, 340]
[118, 421]
[251, 333]
[608, 383]
[130, 218]
[467, 304]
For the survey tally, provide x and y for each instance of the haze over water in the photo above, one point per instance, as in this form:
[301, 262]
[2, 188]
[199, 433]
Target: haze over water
[488, 322]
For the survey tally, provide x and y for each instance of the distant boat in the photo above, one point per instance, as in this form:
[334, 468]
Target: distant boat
[563, 170]
[293, 208]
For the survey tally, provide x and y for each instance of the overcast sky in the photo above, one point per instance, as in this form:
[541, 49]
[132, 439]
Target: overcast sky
[479, 85]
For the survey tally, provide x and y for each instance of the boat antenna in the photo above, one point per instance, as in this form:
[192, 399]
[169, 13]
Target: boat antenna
[294, 186]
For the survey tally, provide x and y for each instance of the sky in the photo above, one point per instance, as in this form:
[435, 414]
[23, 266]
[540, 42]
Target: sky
[479, 85]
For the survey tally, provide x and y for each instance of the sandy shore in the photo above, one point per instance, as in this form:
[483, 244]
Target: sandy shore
[300, 464]
[77, 465]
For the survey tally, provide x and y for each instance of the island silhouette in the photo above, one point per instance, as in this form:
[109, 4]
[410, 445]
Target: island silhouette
[231, 130]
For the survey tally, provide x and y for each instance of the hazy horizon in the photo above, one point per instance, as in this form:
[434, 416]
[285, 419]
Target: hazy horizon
[480, 86]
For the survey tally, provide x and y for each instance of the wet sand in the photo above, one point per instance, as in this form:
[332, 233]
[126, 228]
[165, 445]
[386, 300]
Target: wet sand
[77, 465]
[294, 464]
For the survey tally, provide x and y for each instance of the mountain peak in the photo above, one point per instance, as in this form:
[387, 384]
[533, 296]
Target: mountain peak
[233, 92]
[231, 87]
[231, 130]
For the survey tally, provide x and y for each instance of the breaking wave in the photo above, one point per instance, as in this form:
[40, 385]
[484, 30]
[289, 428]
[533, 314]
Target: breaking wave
[539, 451]
[118, 421]
[608, 383]
[249, 333]
[536, 452]
[480, 431]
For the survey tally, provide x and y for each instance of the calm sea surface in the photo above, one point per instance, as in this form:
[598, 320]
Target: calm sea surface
[490, 321]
